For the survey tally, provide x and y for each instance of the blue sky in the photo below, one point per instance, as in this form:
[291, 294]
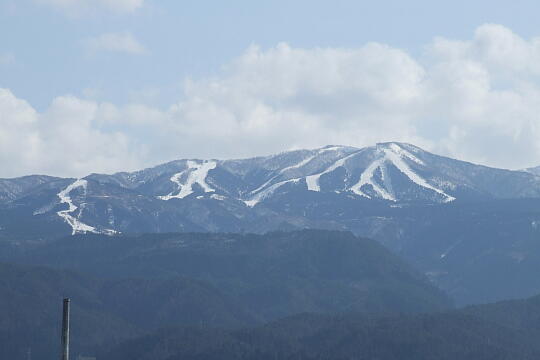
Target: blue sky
[124, 84]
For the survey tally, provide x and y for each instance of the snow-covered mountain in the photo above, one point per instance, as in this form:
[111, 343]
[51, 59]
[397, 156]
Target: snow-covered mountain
[293, 189]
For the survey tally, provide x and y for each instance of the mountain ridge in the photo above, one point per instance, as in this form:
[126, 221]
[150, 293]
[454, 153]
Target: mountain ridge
[241, 190]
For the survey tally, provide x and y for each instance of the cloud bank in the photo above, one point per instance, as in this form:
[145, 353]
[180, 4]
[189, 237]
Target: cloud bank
[477, 100]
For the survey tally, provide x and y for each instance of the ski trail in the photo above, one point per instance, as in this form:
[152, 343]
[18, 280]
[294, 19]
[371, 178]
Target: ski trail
[76, 225]
[394, 155]
[197, 175]
[267, 192]
[366, 178]
[312, 181]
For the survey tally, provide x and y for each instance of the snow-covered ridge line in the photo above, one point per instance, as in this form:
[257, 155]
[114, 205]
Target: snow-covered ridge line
[76, 225]
[331, 148]
[197, 173]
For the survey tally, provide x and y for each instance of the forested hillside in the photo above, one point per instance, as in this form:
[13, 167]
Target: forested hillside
[272, 275]
[504, 331]
[104, 312]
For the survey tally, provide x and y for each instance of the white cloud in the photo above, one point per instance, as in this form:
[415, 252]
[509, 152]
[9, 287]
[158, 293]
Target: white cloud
[67, 139]
[477, 100]
[284, 97]
[114, 42]
[82, 7]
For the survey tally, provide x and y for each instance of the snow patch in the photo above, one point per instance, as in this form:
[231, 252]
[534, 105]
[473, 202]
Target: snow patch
[110, 215]
[197, 173]
[445, 254]
[218, 197]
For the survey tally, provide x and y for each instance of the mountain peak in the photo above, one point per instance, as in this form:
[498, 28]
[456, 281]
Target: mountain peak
[335, 147]
[395, 144]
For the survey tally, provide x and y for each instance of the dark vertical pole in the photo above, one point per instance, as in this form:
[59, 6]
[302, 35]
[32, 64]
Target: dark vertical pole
[65, 330]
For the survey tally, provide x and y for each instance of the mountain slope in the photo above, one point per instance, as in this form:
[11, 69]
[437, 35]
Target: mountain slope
[457, 222]
[476, 252]
[236, 195]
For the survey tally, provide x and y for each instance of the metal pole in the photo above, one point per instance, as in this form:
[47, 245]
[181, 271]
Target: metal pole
[65, 330]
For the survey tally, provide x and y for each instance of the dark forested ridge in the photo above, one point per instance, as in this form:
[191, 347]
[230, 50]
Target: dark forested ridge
[272, 275]
[499, 331]
[146, 320]
[122, 287]
[285, 295]
[104, 312]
